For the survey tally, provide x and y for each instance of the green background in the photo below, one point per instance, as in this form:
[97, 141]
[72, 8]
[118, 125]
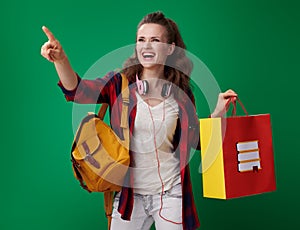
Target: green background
[251, 46]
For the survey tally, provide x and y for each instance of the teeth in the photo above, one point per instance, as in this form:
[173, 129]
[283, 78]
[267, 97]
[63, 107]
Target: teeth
[148, 55]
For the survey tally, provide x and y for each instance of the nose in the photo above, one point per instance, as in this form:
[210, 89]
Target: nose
[147, 45]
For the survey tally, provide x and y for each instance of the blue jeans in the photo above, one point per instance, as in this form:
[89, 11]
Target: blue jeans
[146, 211]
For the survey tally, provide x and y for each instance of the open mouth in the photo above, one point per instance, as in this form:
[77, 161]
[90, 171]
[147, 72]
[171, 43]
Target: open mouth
[148, 55]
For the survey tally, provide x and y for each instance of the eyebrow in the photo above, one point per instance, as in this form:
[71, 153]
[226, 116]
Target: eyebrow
[150, 37]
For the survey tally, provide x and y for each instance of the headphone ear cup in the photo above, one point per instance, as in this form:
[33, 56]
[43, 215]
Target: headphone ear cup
[166, 90]
[142, 86]
[145, 87]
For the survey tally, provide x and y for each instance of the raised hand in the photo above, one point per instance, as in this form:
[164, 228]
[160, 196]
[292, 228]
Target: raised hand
[223, 98]
[52, 49]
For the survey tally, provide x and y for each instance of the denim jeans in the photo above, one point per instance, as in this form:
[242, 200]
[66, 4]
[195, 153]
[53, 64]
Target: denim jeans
[146, 211]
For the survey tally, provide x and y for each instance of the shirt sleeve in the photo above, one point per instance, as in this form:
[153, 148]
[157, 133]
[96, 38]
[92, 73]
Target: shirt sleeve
[91, 91]
[69, 94]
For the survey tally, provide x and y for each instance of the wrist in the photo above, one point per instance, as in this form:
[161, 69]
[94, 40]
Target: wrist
[62, 61]
[214, 115]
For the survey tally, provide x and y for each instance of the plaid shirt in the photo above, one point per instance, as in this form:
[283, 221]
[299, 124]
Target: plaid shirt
[107, 90]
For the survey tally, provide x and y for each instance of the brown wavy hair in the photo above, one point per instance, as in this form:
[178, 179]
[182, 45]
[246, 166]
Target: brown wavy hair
[178, 66]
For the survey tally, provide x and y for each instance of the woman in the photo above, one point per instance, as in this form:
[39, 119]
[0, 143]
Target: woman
[162, 119]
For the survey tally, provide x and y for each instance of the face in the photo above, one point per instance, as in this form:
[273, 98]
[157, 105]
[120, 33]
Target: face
[151, 45]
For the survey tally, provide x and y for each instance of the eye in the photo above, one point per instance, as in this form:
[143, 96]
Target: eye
[141, 40]
[155, 40]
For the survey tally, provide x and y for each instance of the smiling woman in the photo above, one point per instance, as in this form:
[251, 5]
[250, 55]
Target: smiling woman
[162, 119]
[159, 40]
[152, 48]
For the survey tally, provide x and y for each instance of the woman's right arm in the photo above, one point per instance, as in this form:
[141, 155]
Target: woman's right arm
[53, 52]
[100, 90]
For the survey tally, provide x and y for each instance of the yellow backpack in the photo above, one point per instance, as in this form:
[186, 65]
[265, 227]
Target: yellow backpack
[100, 159]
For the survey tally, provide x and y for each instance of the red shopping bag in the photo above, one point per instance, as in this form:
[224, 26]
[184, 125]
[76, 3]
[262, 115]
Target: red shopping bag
[237, 155]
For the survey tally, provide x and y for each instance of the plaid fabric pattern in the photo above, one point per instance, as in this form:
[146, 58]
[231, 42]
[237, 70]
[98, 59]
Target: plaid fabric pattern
[107, 90]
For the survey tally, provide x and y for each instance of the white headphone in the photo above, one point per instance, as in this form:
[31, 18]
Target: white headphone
[143, 87]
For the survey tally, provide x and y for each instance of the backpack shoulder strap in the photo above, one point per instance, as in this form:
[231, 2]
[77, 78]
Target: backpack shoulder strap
[108, 204]
[109, 195]
[124, 116]
[125, 98]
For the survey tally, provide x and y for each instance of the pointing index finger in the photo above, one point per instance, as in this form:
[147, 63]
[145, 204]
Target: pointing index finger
[48, 33]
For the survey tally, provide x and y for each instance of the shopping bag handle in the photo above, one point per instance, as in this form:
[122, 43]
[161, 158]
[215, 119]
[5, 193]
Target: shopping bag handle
[232, 100]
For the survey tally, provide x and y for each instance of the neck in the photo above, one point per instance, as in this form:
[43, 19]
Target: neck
[149, 73]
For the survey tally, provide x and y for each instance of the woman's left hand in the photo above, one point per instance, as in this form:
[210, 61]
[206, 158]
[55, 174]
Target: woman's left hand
[223, 98]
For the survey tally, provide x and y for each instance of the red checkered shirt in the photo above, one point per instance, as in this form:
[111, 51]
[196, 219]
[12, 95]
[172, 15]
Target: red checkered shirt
[107, 90]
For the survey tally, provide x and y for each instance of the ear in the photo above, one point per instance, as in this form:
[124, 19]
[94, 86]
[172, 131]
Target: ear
[171, 48]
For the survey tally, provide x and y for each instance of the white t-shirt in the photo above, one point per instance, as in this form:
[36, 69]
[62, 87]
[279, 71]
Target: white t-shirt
[144, 143]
